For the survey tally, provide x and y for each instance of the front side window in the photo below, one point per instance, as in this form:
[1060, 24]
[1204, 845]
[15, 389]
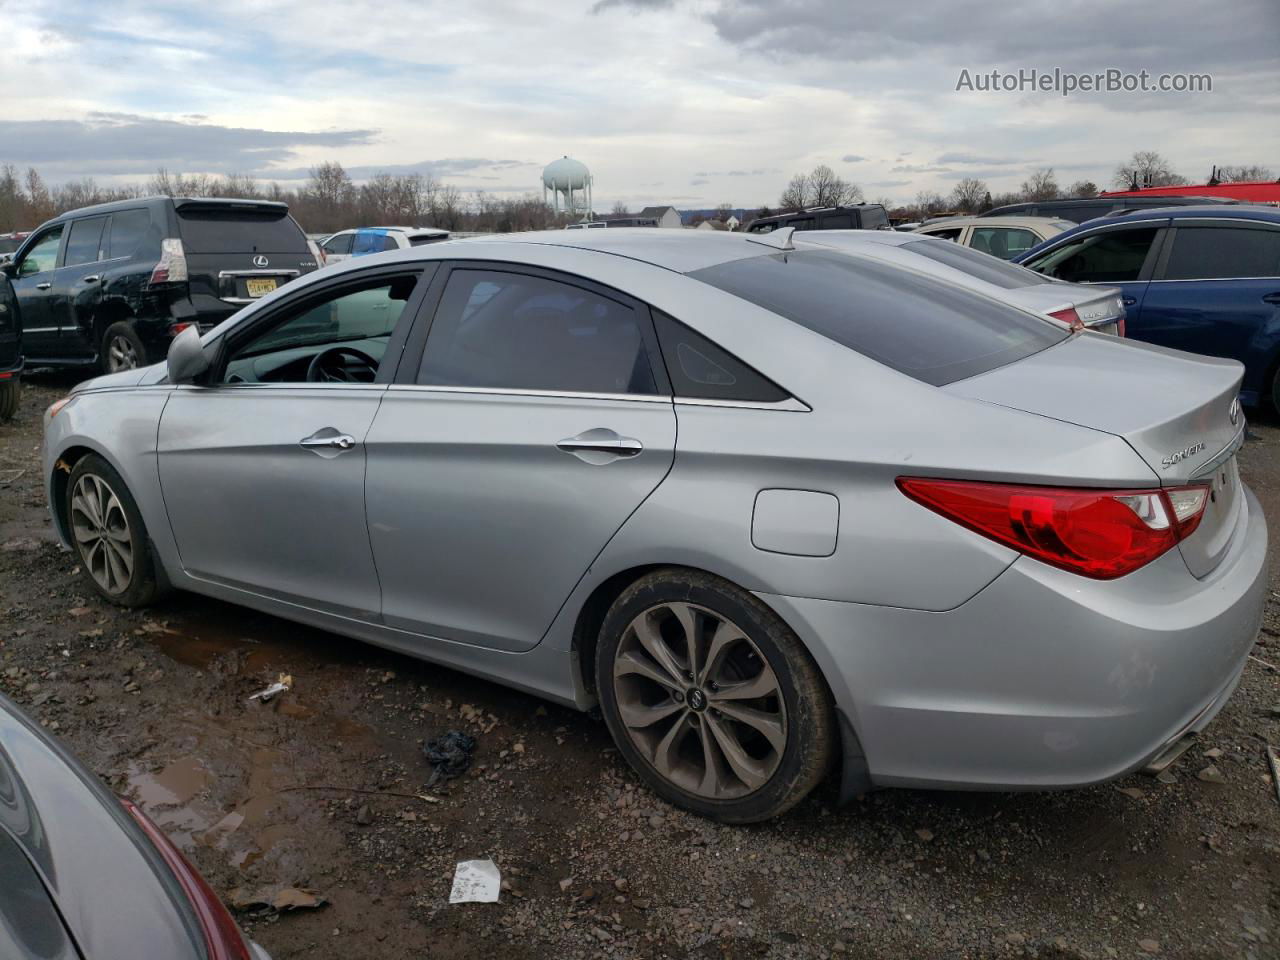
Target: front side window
[339, 244]
[84, 244]
[951, 233]
[1003, 242]
[1221, 253]
[932, 330]
[43, 254]
[520, 332]
[336, 337]
[1113, 256]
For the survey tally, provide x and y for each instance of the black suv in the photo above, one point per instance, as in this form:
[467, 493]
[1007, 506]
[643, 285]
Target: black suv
[110, 285]
[10, 350]
[1080, 209]
[862, 216]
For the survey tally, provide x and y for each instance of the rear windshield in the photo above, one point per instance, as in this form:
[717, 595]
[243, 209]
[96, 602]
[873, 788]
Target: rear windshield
[993, 270]
[927, 329]
[228, 230]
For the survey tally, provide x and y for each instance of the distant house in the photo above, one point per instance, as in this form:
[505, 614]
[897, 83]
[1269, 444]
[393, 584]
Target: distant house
[666, 216]
[711, 225]
[733, 222]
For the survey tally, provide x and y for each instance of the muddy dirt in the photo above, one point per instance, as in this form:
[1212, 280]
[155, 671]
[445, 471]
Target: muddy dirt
[319, 790]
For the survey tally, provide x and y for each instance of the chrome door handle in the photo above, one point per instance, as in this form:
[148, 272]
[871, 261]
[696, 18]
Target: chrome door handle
[92, 278]
[1128, 301]
[600, 442]
[340, 442]
[43, 286]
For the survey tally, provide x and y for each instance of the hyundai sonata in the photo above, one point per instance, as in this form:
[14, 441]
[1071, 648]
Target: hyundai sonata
[773, 505]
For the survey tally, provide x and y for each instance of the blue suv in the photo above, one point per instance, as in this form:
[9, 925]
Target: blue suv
[1202, 280]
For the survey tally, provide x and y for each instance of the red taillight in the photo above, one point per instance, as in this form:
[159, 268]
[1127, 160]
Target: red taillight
[177, 328]
[221, 935]
[1102, 534]
[1069, 317]
[1120, 326]
[172, 266]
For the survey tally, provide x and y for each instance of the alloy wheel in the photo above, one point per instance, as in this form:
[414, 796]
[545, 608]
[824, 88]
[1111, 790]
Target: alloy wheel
[121, 354]
[102, 534]
[699, 701]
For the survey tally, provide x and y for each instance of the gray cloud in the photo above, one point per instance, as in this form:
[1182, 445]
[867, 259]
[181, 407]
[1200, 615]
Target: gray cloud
[888, 183]
[852, 158]
[698, 181]
[448, 167]
[975, 158]
[918, 168]
[602, 5]
[104, 144]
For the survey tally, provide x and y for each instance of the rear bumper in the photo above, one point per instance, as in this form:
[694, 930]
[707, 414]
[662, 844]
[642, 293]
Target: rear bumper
[1044, 679]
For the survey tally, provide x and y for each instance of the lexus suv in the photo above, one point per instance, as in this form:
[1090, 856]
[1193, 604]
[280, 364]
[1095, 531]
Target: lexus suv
[109, 286]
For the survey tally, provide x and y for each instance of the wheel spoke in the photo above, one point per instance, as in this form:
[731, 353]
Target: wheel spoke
[665, 753]
[688, 619]
[746, 769]
[125, 555]
[649, 637]
[769, 725]
[762, 685]
[85, 503]
[638, 716]
[634, 664]
[116, 574]
[712, 776]
[726, 635]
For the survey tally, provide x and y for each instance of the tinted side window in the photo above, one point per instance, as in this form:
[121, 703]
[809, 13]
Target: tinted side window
[701, 370]
[950, 234]
[127, 231]
[43, 255]
[934, 331]
[339, 244]
[800, 223]
[84, 242]
[389, 243]
[1003, 242]
[1205, 253]
[519, 332]
[837, 221]
[874, 218]
[1114, 256]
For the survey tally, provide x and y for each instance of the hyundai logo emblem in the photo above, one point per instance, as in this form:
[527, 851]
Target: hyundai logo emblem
[260, 261]
[1234, 412]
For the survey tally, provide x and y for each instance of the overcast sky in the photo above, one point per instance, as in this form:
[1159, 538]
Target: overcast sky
[692, 102]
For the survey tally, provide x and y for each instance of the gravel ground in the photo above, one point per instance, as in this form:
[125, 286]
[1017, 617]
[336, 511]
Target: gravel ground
[318, 791]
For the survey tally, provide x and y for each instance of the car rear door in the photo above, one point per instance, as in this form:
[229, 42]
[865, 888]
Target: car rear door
[1121, 255]
[528, 421]
[1216, 291]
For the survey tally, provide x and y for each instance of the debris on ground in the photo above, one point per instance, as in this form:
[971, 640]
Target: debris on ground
[449, 755]
[275, 899]
[282, 684]
[1274, 765]
[1211, 774]
[476, 881]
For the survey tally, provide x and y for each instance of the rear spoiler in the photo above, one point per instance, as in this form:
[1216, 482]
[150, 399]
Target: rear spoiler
[228, 203]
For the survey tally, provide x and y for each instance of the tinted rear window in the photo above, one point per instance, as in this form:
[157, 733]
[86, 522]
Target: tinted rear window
[228, 230]
[1220, 253]
[1008, 276]
[924, 328]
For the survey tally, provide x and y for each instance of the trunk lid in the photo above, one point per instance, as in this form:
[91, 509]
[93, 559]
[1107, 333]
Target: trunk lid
[1179, 412]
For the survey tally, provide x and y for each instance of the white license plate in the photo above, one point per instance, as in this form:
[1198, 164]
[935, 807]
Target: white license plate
[260, 287]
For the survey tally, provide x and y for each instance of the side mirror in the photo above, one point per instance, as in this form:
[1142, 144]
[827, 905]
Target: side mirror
[7, 266]
[187, 358]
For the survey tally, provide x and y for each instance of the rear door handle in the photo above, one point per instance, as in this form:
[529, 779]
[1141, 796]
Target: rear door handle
[1128, 301]
[92, 278]
[44, 286]
[600, 445]
[328, 442]
[1272, 298]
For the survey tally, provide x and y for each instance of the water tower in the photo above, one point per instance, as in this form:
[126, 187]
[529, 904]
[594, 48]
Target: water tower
[569, 181]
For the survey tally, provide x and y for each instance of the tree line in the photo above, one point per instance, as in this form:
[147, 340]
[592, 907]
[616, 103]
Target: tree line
[327, 201]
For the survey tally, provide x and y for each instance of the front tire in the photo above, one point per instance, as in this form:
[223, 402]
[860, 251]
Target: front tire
[122, 349]
[712, 699]
[10, 395]
[109, 535]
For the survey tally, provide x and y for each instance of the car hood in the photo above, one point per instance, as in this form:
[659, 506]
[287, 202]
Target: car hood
[115, 894]
[125, 378]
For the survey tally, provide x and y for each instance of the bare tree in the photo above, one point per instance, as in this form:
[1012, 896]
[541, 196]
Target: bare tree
[929, 202]
[620, 208]
[968, 193]
[831, 190]
[39, 202]
[724, 211]
[1084, 189]
[1041, 185]
[797, 194]
[1241, 173]
[1146, 168]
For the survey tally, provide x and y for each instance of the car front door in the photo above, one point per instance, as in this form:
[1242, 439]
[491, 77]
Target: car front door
[33, 285]
[77, 287]
[536, 421]
[263, 466]
[1121, 256]
[338, 247]
[1216, 291]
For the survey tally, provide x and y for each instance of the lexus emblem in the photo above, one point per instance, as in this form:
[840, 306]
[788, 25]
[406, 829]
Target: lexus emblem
[261, 261]
[1234, 412]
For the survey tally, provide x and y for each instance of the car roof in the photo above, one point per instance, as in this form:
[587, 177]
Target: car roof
[1244, 211]
[680, 250]
[1002, 222]
[188, 202]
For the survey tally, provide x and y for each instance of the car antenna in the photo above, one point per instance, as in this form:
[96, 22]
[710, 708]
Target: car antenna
[780, 238]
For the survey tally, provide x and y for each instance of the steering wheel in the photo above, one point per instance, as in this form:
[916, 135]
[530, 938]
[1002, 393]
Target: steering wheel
[324, 369]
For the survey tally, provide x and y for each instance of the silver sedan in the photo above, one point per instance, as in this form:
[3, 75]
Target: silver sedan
[776, 506]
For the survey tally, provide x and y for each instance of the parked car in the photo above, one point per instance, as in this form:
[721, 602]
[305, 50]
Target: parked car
[110, 285]
[366, 240]
[87, 874]
[1078, 305]
[10, 351]
[1078, 210]
[1205, 281]
[1005, 238]
[860, 216]
[901, 522]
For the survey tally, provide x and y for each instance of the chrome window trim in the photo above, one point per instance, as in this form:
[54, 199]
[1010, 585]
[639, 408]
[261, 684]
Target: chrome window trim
[1222, 456]
[290, 386]
[1274, 276]
[520, 392]
[789, 405]
[1227, 220]
[40, 329]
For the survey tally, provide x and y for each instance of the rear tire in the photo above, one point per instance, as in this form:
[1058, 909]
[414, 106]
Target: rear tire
[10, 395]
[122, 349]
[738, 724]
[110, 539]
